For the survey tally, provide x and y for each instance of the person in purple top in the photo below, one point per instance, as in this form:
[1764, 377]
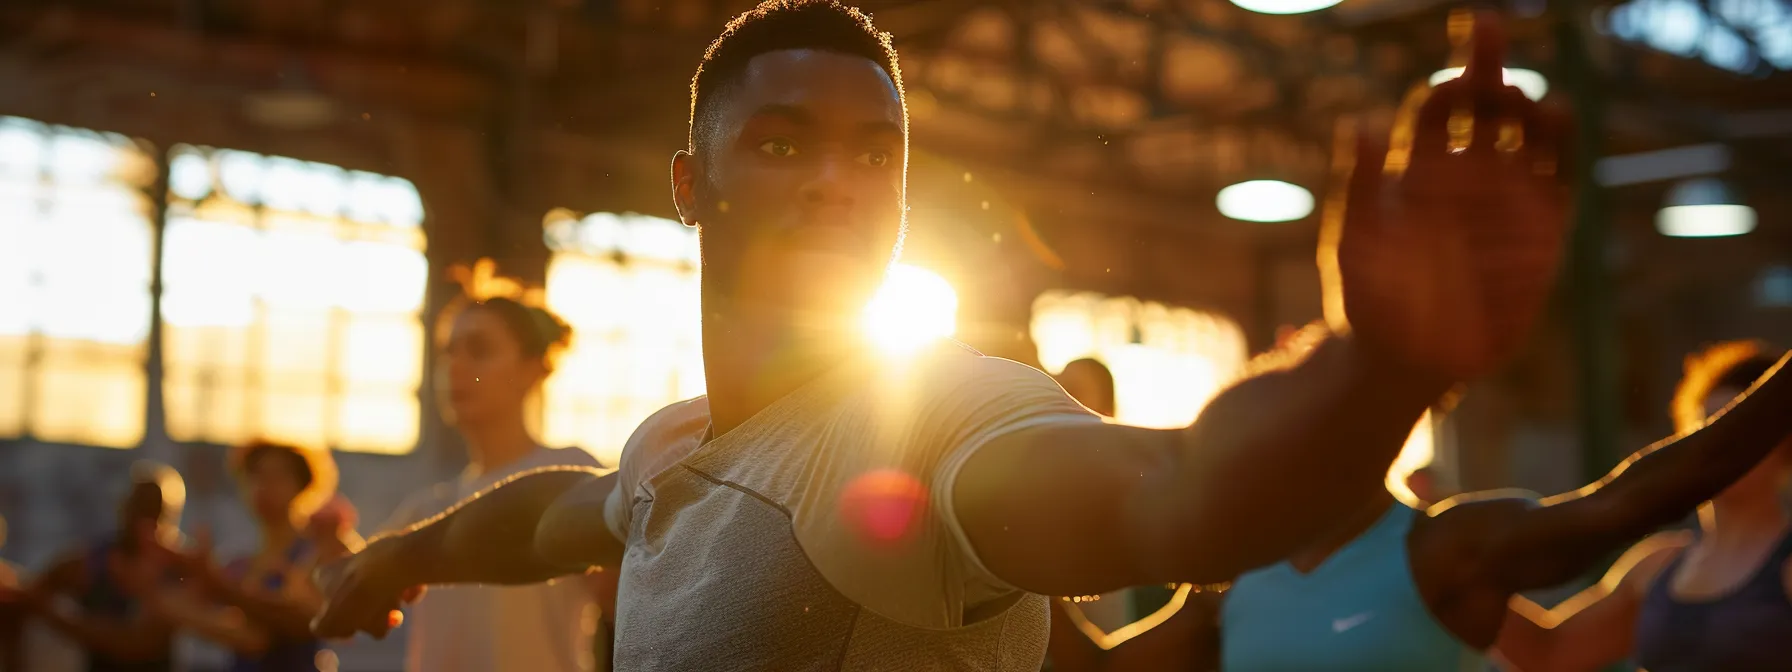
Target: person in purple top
[260, 606]
[1718, 598]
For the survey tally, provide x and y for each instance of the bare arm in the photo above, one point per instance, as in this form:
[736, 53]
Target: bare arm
[1594, 628]
[1272, 462]
[518, 532]
[285, 615]
[146, 637]
[1516, 547]
[226, 626]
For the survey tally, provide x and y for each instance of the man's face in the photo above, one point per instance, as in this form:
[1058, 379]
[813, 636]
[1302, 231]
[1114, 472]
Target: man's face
[800, 194]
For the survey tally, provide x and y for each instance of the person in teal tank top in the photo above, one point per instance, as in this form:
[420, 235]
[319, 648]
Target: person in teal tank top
[1359, 608]
[1397, 588]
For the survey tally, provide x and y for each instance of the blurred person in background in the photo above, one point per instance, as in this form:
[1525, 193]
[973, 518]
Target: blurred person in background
[12, 614]
[260, 606]
[493, 355]
[111, 623]
[332, 529]
[829, 506]
[1090, 383]
[1717, 598]
[1398, 588]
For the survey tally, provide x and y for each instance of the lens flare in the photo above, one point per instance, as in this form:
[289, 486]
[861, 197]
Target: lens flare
[883, 506]
[913, 307]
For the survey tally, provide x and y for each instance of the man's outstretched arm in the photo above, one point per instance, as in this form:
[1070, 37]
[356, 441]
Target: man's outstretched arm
[1273, 462]
[521, 531]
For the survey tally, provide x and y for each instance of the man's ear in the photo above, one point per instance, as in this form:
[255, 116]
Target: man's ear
[684, 186]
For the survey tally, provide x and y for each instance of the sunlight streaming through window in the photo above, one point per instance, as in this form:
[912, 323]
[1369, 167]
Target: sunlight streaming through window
[1167, 362]
[75, 253]
[628, 285]
[292, 303]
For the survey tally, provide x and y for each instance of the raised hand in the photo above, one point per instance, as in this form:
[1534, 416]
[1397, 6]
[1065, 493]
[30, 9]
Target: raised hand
[361, 594]
[1449, 239]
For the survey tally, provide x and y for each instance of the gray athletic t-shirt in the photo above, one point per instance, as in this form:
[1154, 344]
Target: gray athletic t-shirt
[820, 534]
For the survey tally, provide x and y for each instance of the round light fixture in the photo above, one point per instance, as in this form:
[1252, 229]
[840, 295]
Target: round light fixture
[1285, 6]
[1704, 208]
[1265, 201]
[1530, 82]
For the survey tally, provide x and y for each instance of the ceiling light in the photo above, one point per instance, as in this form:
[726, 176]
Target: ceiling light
[1704, 208]
[1530, 82]
[1285, 6]
[1265, 201]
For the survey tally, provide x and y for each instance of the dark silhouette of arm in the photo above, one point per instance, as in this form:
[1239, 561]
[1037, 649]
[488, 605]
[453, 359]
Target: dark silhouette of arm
[517, 532]
[1594, 629]
[536, 526]
[1513, 545]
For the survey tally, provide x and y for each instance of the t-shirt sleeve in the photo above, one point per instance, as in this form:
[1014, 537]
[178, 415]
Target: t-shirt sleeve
[1002, 398]
[660, 441]
[876, 516]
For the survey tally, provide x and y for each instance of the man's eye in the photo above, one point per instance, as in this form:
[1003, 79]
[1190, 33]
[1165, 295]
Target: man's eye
[778, 147]
[875, 158]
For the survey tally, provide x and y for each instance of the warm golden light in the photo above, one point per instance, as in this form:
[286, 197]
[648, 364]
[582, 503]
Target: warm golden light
[915, 306]
[293, 302]
[628, 285]
[1419, 451]
[1167, 362]
[1529, 82]
[75, 260]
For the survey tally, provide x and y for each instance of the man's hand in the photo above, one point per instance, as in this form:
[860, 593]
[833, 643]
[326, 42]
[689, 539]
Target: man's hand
[362, 593]
[1448, 244]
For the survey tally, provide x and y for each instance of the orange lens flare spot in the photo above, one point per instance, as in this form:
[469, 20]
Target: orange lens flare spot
[884, 506]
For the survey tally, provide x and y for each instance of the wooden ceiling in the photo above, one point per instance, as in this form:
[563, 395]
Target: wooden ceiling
[1161, 101]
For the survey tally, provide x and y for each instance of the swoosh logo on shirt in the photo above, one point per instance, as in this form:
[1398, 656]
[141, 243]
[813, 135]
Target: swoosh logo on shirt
[1340, 625]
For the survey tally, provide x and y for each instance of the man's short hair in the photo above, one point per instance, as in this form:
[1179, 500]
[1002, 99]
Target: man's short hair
[779, 25]
[1734, 365]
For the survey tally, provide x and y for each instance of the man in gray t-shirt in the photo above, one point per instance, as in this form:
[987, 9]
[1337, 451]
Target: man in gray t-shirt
[828, 506]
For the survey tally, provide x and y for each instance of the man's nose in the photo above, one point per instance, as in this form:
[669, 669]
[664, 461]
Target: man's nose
[828, 185]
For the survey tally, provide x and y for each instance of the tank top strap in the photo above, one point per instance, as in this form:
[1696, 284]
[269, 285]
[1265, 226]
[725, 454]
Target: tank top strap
[1770, 577]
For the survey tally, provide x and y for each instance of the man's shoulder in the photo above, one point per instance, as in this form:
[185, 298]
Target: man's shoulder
[664, 438]
[951, 363]
[675, 420]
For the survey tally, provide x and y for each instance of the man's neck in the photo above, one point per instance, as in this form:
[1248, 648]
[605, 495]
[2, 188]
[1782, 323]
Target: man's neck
[755, 355]
[496, 445]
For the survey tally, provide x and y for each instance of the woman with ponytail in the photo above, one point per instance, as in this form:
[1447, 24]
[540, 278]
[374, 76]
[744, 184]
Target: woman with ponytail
[495, 346]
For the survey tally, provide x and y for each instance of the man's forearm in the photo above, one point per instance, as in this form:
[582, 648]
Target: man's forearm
[1282, 457]
[489, 538]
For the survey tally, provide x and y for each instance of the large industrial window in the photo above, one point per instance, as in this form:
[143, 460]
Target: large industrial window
[628, 285]
[1167, 362]
[292, 302]
[75, 258]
